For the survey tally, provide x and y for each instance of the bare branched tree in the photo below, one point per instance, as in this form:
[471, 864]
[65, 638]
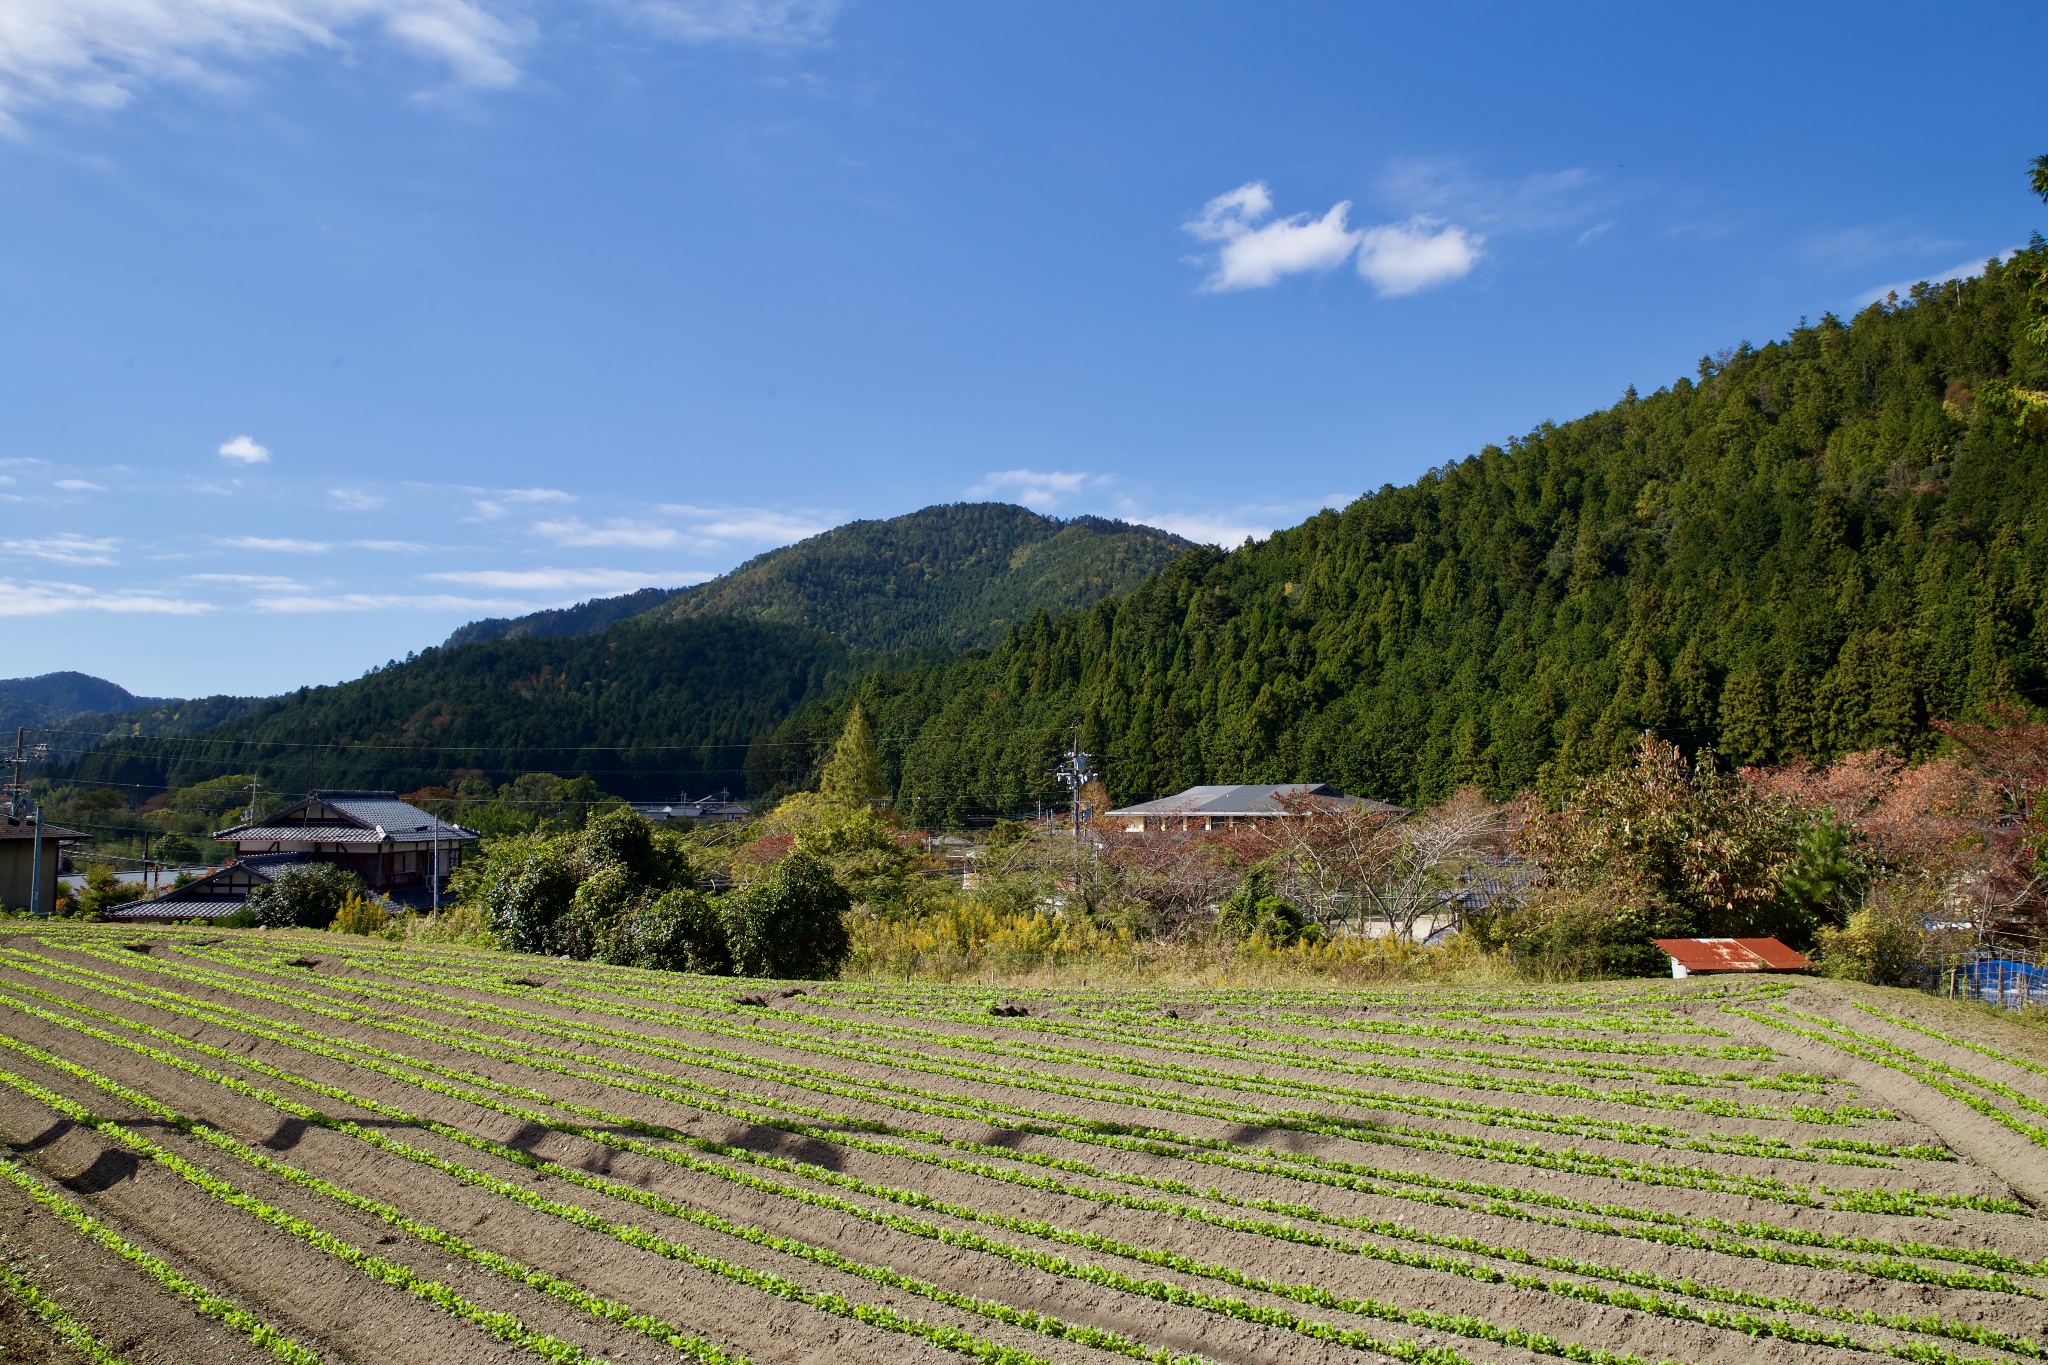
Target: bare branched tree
[1373, 865]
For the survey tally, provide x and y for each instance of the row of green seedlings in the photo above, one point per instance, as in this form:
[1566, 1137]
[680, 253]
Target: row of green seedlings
[1469, 1245]
[953, 1338]
[416, 968]
[505, 1325]
[200, 1299]
[1902, 1022]
[1832, 1151]
[1860, 1200]
[1492, 1115]
[1128, 1012]
[1747, 1323]
[1570, 1161]
[54, 1316]
[1936, 1075]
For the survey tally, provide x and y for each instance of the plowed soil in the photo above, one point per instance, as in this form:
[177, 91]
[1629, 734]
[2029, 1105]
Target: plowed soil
[368, 1152]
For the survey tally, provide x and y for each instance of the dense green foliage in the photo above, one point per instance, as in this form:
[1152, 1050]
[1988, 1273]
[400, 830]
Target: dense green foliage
[944, 578]
[1812, 548]
[622, 892]
[646, 711]
[307, 896]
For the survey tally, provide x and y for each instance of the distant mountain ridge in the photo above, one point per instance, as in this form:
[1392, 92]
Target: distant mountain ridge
[84, 711]
[951, 576]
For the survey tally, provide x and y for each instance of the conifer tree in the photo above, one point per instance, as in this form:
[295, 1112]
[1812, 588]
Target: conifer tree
[853, 776]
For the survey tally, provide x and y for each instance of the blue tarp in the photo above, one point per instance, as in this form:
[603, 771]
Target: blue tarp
[2004, 980]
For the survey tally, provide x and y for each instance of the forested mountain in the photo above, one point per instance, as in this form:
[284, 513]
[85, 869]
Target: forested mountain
[647, 710]
[584, 618]
[1807, 549]
[946, 578]
[53, 697]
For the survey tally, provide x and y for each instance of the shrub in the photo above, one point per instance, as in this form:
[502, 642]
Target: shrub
[103, 891]
[1602, 930]
[528, 893]
[1895, 939]
[461, 924]
[789, 923]
[306, 896]
[1253, 911]
[244, 918]
[683, 931]
[362, 914]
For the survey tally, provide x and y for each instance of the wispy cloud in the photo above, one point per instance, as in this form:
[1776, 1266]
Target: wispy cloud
[398, 547]
[749, 525]
[80, 486]
[1395, 258]
[1041, 490]
[35, 598]
[620, 531]
[488, 504]
[278, 544]
[1964, 271]
[567, 580]
[317, 603]
[356, 500]
[774, 23]
[243, 580]
[66, 547]
[245, 450]
[101, 54]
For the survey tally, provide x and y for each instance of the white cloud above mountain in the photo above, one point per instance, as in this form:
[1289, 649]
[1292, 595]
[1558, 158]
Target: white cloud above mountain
[1252, 252]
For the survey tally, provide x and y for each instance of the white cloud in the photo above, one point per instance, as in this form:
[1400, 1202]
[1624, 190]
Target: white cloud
[243, 580]
[1040, 490]
[66, 547]
[1252, 257]
[775, 23]
[48, 599]
[640, 535]
[491, 503]
[280, 544]
[1405, 258]
[749, 525]
[101, 53]
[355, 499]
[311, 603]
[564, 580]
[244, 450]
[6, 478]
[1968, 270]
[405, 547]
[79, 486]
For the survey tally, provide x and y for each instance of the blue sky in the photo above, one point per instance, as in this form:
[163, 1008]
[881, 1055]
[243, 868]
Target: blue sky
[327, 325]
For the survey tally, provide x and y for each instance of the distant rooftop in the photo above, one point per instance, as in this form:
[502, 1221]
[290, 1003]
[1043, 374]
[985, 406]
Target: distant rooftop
[348, 817]
[1246, 801]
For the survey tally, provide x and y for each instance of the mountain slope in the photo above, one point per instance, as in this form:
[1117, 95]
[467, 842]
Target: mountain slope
[1810, 549]
[648, 711]
[54, 697]
[947, 577]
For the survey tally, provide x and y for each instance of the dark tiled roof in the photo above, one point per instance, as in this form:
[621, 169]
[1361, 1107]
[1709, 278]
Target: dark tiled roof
[224, 886]
[23, 828]
[347, 817]
[148, 911]
[1243, 800]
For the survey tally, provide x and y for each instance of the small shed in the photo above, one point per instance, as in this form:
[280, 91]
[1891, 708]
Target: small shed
[21, 840]
[1708, 956]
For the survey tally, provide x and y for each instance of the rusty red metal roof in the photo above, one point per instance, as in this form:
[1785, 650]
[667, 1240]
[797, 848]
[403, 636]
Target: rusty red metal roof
[1732, 954]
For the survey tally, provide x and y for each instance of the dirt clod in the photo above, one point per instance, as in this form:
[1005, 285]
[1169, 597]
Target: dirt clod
[303, 962]
[525, 981]
[1013, 1010]
[753, 1000]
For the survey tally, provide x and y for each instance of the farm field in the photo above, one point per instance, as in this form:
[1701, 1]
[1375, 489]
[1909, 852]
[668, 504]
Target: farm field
[248, 1146]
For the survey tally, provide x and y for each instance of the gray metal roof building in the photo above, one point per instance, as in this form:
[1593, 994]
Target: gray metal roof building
[1220, 807]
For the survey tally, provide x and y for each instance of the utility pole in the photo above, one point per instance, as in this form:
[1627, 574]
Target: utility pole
[254, 785]
[1073, 775]
[437, 860]
[35, 868]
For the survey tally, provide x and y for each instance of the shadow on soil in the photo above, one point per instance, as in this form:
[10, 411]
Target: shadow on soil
[107, 1170]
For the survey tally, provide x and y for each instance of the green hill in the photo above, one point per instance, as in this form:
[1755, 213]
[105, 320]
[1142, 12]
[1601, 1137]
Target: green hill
[944, 578]
[1807, 549]
[646, 710]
